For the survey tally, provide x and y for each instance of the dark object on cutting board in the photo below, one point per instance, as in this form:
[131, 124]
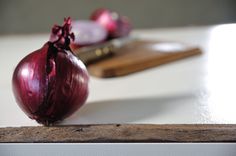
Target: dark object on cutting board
[139, 55]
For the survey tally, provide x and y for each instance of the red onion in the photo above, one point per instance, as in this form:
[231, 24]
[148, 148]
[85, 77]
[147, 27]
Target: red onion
[115, 24]
[50, 83]
[87, 33]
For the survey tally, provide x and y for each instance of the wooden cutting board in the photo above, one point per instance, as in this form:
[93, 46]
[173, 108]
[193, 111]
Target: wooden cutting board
[139, 55]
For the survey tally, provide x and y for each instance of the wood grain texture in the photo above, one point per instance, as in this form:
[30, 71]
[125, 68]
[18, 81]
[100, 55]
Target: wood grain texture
[116, 133]
[140, 55]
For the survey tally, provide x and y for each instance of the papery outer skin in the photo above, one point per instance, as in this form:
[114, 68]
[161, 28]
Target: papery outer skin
[29, 81]
[48, 97]
[61, 36]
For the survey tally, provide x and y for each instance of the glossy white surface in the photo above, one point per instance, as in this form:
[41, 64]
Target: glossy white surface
[200, 89]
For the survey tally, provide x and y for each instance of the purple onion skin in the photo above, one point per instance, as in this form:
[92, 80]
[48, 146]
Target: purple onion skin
[116, 25]
[50, 84]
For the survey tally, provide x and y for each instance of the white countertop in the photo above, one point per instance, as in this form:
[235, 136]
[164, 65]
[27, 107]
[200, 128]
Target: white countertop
[199, 89]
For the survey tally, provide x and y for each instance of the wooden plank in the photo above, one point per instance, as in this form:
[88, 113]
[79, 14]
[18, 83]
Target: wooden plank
[116, 133]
